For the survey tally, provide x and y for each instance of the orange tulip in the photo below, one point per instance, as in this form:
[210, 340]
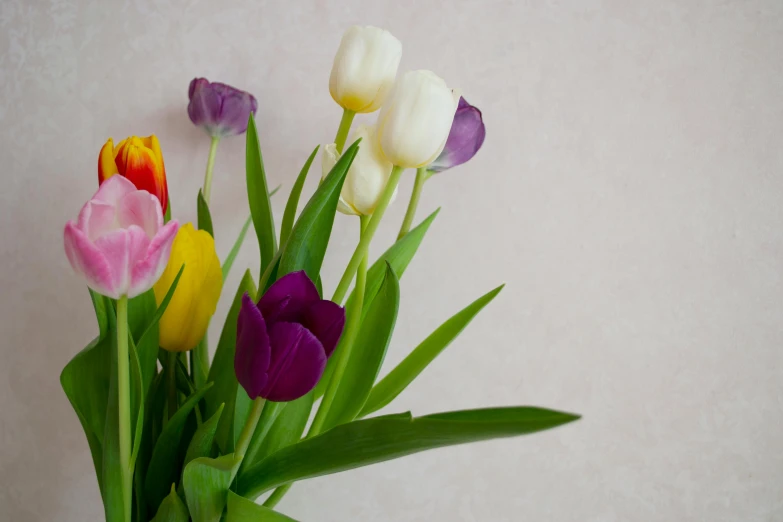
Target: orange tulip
[140, 161]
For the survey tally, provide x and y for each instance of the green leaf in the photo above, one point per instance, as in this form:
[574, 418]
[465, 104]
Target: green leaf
[232, 254]
[306, 246]
[399, 255]
[241, 509]
[147, 347]
[222, 370]
[204, 216]
[368, 441]
[172, 509]
[85, 381]
[367, 353]
[164, 466]
[288, 427]
[293, 199]
[415, 363]
[141, 310]
[167, 214]
[258, 196]
[206, 484]
[202, 441]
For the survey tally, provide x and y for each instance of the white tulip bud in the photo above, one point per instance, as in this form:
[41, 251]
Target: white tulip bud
[367, 177]
[364, 68]
[415, 120]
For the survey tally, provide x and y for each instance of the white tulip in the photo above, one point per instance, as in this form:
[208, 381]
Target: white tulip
[367, 176]
[415, 121]
[364, 68]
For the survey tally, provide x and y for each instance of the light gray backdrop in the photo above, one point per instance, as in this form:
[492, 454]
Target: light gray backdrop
[629, 193]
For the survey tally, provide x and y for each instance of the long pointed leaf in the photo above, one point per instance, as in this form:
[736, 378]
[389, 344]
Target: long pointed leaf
[367, 353]
[258, 196]
[306, 246]
[404, 373]
[232, 254]
[293, 199]
[172, 509]
[206, 484]
[204, 216]
[163, 469]
[368, 441]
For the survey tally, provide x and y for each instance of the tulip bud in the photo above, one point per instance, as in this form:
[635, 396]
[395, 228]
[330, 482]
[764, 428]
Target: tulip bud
[185, 321]
[367, 176]
[364, 68]
[221, 110]
[283, 342]
[414, 122]
[139, 160]
[465, 138]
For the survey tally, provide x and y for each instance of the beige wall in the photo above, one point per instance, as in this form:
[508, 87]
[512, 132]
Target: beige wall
[629, 192]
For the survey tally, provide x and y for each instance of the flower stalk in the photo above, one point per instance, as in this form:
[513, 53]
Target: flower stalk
[422, 175]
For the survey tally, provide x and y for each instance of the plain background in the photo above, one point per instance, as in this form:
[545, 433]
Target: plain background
[630, 194]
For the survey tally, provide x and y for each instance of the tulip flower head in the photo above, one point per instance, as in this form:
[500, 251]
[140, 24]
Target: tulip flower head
[119, 243]
[221, 110]
[367, 176]
[364, 68]
[414, 123]
[283, 342]
[139, 160]
[194, 301]
[465, 138]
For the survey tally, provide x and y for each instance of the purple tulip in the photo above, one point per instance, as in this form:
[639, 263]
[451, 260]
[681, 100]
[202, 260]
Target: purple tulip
[283, 341]
[465, 138]
[219, 109]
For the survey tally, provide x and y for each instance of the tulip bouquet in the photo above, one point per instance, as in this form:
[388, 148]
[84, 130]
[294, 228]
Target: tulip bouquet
[292, 390]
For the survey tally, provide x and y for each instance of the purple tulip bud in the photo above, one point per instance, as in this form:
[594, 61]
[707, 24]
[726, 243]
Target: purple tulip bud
[465, 138]
[283, 342]
[219, 109]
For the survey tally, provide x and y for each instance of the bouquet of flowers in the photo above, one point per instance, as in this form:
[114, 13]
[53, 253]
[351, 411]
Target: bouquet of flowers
[177, 437]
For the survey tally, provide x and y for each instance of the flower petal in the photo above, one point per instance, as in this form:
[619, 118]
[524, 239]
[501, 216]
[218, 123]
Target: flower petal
[142, 209]
[287, 297]
[116, 247]
[147, 269]
[235, 109]
[204, 106]
[298, 362]
[88, 261]
[106, 166]
[97, 218]
[114, 189]
[326, 321]
[253, 350]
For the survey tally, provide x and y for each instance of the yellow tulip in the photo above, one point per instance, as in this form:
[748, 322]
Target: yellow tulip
[187, 316]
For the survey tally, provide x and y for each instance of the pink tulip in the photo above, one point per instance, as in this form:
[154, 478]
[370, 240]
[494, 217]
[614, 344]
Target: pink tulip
[119, 243]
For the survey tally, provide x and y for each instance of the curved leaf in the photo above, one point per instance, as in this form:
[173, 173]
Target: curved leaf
[306, 246]
[368, 441]
[404, 373]
[232, 254]
[367, 353]
[293, 199]
[204, 217]
[258, 196]
[172, 509]
[206, 483]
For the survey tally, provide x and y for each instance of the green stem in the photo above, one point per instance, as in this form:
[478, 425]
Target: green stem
[277, 495]
[199, 363]
[421, 176]
[123, 392]
[171, 370]
[342, 131]
[250, 426]
[351, 330]
[210, 166]
[268, 417]
[369, 232]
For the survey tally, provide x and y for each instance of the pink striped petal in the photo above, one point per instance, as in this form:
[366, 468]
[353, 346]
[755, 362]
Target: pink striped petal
[114, 189]
[88, 261]
[140, 208]
[97, 218]
[115, 247]
[146, 271]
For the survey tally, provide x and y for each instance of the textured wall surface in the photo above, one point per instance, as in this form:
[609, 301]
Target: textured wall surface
[630, 194]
